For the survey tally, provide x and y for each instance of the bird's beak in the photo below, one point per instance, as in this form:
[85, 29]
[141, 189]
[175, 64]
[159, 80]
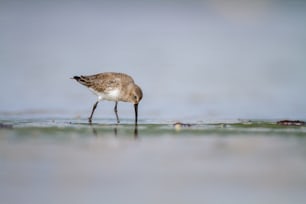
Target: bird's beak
[136, 113]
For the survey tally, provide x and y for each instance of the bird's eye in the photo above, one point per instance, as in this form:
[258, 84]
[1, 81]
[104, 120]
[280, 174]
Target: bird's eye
[135, 97]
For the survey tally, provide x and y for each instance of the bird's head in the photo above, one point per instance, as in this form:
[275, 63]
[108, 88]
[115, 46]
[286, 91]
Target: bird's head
[135, 94]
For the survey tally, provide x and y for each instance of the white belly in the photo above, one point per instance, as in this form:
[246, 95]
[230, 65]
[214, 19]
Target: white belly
[112, 95]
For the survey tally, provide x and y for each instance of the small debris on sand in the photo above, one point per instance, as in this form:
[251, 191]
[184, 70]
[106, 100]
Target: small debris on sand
[5, 126]
[291, 122]
[182, 124]
[179, 125]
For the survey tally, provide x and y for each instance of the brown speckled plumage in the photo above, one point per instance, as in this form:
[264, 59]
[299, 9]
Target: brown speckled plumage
[114, 87]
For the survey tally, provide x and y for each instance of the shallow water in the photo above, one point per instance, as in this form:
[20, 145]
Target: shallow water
[56, 160]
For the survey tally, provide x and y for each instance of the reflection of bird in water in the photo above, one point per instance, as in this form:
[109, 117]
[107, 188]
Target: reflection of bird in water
[95, 132]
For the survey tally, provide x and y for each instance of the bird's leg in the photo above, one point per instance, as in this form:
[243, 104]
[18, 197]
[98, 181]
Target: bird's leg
[92, 112]
[116, 112]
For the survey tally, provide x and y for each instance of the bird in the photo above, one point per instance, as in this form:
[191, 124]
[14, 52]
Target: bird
[112, 86]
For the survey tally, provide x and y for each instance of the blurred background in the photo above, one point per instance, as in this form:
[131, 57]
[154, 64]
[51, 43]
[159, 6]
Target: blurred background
[194, 59]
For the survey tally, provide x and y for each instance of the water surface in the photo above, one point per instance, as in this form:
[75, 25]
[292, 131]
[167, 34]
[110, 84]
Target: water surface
[56, 160]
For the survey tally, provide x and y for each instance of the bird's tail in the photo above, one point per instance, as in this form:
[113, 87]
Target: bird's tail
[82, 80]
[76, 78]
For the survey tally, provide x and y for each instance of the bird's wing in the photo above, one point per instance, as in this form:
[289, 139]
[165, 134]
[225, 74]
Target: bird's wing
[105, 81]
